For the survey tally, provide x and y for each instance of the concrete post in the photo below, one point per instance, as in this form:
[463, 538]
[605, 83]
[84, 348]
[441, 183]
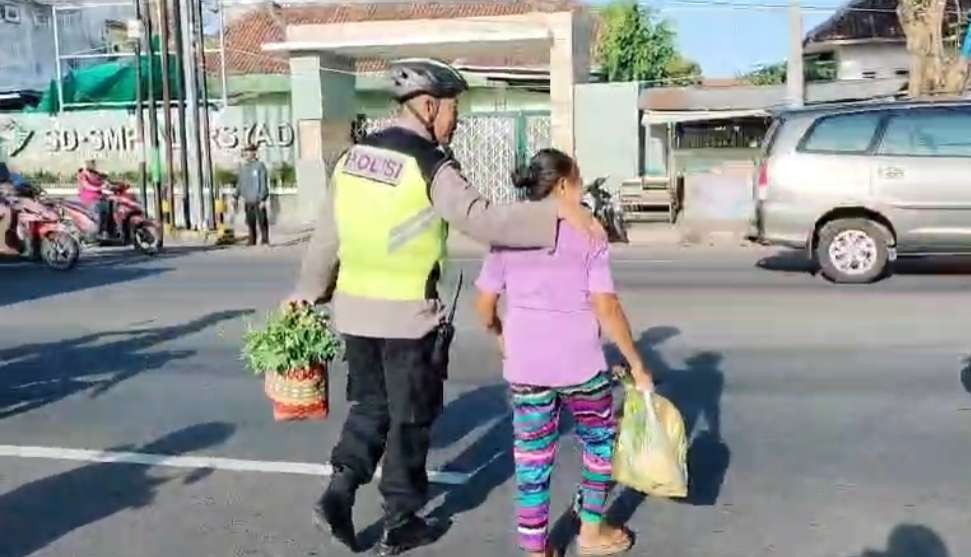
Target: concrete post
[569, 65]
[323, 106]
[794, 68]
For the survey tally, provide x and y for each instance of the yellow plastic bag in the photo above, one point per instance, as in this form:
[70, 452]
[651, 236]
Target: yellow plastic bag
[652, 450]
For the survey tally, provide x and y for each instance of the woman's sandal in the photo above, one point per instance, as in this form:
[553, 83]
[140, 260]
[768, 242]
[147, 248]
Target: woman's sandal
[616, 547]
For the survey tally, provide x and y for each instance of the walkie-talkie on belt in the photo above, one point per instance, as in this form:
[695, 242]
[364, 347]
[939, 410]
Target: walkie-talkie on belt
[446, 332]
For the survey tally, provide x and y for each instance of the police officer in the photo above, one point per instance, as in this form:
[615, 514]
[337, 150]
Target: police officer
[385, 222]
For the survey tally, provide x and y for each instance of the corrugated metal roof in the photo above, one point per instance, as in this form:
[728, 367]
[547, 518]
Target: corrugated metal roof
[713, 98]
[696, 99]
[653, 117]
[870, 20]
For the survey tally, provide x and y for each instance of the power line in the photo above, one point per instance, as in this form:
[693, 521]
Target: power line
[761, 6]
[687, 80]
[281, 23]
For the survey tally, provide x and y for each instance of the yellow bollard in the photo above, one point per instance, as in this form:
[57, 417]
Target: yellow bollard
[166, 221]
[224, 234]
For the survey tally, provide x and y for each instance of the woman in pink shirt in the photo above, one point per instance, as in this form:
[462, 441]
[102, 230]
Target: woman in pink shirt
[91, 185]
[556, 304]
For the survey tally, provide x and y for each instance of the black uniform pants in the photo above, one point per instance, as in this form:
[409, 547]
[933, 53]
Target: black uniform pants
[395, 396]
[256, 214]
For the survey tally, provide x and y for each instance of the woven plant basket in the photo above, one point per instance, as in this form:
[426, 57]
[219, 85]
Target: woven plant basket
[300, 394]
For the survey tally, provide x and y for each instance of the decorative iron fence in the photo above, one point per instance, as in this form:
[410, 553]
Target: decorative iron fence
[489, 146]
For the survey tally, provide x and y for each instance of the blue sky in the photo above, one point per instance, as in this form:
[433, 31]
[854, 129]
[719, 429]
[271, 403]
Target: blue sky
[727, 41]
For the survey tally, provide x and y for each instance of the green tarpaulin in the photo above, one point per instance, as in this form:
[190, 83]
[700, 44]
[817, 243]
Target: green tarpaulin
[109, 84]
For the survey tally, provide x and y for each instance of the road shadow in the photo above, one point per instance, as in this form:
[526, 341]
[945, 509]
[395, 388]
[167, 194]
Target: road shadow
[696, 390]
[788, 261]
[126, 256]
[33, 376]
[25, 283]
[966, 374]
[911, 540]
[796, 261]
[469, 411]
[39, 513]
[489, 456]
[296, 240]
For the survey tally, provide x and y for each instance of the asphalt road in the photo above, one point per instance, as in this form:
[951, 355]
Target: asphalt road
[826, 421]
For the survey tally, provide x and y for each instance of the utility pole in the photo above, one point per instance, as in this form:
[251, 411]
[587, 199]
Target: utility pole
[149, 48]
[163, 17]
[206, 178]
[195, 116]
[177, 20]
[795, 78]
[135, 31]
[222, 53]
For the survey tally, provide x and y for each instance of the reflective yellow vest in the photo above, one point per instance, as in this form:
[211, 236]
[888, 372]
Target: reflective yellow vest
[392, 242]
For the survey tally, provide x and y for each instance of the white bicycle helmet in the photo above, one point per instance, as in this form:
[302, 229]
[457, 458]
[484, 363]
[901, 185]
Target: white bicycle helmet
[425, 76]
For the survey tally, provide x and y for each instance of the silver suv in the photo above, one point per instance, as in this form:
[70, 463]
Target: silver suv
[857, 185]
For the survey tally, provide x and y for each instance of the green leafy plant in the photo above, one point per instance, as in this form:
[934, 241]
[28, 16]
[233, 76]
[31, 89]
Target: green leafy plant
[130, 176]
[44, 177]
[294, 339]
[284, 175]
[226, 176]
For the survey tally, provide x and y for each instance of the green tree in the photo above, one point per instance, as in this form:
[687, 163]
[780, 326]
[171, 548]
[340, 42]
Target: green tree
[683, 72]
[775, 74]
[767, 74]
[634, 45]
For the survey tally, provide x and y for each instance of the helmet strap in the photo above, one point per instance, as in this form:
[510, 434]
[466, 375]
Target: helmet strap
[429, 123]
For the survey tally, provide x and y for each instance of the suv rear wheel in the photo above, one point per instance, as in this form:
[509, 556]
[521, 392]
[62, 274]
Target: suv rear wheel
[853, 251]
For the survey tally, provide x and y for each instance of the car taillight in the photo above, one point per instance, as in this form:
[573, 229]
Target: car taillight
[763, 180]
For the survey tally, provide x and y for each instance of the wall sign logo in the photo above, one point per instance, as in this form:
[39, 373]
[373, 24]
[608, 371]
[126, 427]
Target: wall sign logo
[121, 139]
[13, 137]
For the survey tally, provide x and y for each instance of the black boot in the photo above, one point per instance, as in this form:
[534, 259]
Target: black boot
[334, 511]
[408, 532]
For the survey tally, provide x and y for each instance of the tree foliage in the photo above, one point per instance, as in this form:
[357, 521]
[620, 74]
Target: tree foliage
[766, 74]
[776, 74]
[634, 45]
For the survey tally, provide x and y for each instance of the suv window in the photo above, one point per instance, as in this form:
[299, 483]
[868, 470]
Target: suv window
[846, 134]
[932, 133]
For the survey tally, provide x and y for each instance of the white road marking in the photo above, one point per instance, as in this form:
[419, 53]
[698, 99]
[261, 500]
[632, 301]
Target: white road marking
[204, 462]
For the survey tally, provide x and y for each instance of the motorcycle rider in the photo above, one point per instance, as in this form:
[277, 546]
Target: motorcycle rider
[8, 236]
[386, 299]
[91, 186]
[19, 184]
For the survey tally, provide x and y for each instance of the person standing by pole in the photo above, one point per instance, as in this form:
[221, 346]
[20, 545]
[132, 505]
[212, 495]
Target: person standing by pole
[254, 188]
[384, 220]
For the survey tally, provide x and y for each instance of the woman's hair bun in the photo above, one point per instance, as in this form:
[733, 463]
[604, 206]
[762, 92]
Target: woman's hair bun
[523, 177]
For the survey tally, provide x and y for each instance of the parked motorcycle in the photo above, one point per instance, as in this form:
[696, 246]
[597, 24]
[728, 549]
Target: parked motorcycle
[36, 231]
[607, 209]
[128, 224]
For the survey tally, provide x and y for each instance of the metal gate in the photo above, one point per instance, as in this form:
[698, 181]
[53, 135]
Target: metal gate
[490, 146]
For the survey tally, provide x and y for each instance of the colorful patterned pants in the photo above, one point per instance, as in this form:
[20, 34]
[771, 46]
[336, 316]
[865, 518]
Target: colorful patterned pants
[536, 419]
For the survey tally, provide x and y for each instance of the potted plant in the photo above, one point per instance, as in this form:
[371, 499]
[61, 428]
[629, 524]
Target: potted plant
[292, 351]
